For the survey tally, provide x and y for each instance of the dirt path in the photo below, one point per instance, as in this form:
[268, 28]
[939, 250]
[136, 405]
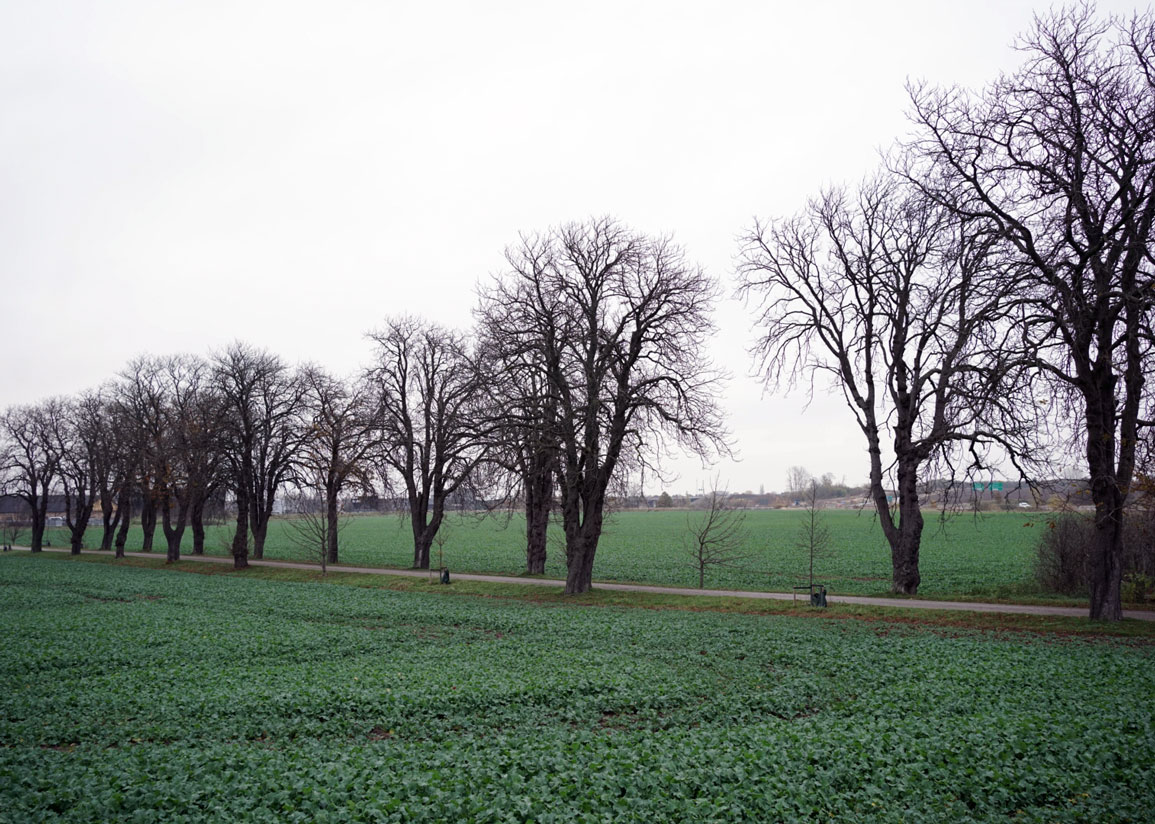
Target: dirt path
[902, 603]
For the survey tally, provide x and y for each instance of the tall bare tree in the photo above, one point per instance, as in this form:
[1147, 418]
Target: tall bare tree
[524, 412]
[427, 392]
[31, 459]
[342, 433]
[1060, 156]
[616, 322]
[141, 396]
[262, 432]
[897, 305]
[76, 436]
[187, 456]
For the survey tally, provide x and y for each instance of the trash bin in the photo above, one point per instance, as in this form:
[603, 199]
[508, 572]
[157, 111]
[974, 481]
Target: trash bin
[445, 576]
[818, 596]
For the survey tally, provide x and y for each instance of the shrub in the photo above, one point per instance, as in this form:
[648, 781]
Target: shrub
[1061, 562]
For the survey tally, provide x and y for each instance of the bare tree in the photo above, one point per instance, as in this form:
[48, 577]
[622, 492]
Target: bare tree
[309, 525]
[183, 455]
[524, 413]
[340, 438]
[261, 434]
[813, 532]
[112, 467]
[429, 407]
[616, 323]
[76, 434]
[884, 295]
[1060, 156]
[798, 480]
[717, 535]
[31, 462]
[141, 397]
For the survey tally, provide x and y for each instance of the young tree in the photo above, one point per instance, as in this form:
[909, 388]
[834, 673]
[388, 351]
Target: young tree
[429, 406]
[717, 535]
[615, 322]
[1060, 156]
[896, 304]
[310, 527]
[813, 532]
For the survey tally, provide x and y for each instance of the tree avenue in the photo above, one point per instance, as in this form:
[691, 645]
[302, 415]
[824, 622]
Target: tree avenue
[615, 322]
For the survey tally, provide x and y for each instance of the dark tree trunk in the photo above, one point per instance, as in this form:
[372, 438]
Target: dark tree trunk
[1106, 561]
[331, 516]
[109, 518]
[241, 536]
[36, 542]
[197, 522]
[424, 527]
[79, 527]
[174, 528]
[538, 500]
[38, 505]
[147, 521]
[581, 543]
[421, 550]
[124, 512]
[260, 531]
[904, 546]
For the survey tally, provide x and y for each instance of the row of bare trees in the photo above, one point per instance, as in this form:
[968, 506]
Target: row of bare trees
[993, 285]
[585, 366]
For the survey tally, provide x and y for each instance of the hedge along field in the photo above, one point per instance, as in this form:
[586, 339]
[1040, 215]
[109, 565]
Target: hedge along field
[989, 554]
[146, 695]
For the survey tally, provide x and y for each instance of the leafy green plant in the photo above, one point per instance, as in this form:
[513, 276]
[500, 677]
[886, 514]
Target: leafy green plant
[140, 694]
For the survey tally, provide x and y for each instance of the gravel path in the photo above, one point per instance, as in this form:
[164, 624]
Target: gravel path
[905, 603]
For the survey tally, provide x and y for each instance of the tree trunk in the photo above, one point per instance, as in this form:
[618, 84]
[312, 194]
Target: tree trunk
[904, 546]
[109, 518]
[1106, 561]
[174, 528]
[424, 527]
[197, 521]
[331, 515]
[124, 505]
[241, 536]
[76, 539]
[422, 541]
[36, 542]
[580, 558]
[537, 507]
[260, 530]
[581, 544]
[147, 521]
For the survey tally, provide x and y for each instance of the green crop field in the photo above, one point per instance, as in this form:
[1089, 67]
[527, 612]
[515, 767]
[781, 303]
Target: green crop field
[985, 555]
[135, 694]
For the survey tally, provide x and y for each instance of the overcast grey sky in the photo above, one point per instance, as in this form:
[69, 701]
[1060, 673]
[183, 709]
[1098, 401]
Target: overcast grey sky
[177, 176]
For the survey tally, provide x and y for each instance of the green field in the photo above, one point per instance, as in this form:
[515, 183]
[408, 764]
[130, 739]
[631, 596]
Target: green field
[987, 555]
[151, 695]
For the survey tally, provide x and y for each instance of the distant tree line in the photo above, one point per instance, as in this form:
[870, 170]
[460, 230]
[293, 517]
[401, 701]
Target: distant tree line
[586, 364]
